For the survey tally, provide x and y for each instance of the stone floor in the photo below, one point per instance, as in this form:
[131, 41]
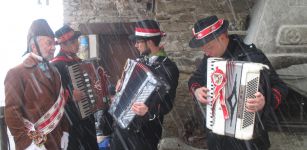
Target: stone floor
[288, 141]
[279, 141]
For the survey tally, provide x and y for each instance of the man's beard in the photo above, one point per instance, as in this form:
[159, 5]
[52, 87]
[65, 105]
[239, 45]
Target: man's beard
[48, 58]
[146, 52]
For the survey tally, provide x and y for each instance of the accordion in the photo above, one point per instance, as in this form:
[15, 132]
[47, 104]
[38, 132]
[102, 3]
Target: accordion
[91, 79]
[230, 84]
[138, 84]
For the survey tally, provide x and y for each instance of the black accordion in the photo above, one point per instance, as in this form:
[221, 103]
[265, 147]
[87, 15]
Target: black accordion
[230, 84]
[138, 84]
[90, 78]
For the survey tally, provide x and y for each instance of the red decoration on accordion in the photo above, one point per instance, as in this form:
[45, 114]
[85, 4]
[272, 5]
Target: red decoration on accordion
[218, 77]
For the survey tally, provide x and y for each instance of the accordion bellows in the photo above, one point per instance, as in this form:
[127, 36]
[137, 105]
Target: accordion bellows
[230, 84]
[138, 84]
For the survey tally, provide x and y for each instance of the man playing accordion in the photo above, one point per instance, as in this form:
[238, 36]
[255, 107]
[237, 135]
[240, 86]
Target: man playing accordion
[82, 131]
[145, 130]
[210, 34]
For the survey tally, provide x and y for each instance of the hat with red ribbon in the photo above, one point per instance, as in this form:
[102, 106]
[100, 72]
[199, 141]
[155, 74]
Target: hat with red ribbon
[146, 29]
[207, 29]
[65, 34]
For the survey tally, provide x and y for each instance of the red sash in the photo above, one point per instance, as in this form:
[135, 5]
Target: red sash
[48, 122]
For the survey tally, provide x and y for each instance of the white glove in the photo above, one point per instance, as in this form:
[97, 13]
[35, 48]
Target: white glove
[34, 147]
[64, 141]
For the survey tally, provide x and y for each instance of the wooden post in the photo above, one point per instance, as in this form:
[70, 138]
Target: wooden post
[4, 140]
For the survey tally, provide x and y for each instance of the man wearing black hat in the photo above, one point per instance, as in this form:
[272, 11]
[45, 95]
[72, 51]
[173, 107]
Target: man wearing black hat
[34, 97]
[146, 135]
[82, 132]
[210, 34]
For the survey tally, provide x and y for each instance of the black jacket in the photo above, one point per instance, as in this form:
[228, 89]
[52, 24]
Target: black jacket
[61, 61]
[143, 132]
[237, 50]
[82, 133]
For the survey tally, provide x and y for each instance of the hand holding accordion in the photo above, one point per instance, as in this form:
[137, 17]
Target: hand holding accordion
[255, 104]
[231, 84]
[201, 95]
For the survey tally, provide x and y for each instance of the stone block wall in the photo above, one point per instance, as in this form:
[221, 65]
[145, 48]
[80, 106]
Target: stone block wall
[104, 11]
[279, 28]
[176, 18]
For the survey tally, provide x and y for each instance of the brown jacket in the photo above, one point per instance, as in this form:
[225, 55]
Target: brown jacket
[30, 94]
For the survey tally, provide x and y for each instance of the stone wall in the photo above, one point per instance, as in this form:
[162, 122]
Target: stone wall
[279, 28]
[176, 18]
[104, 11]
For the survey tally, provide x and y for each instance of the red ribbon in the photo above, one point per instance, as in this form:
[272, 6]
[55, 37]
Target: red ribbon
[146, 30]
[210, 29]
[66, 37]
[218, 78]
[149, 32]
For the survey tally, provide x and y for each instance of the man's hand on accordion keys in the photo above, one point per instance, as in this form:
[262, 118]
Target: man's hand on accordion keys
[255, 104]
[139, 108]
[201, 95]
[118, 85]
[78, 95]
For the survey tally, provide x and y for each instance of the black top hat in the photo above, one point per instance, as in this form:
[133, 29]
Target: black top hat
[207, 29]
[65, 34]
[39, 27]
[146, 29]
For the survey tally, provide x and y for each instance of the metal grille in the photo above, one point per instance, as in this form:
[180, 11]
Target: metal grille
[251, 89]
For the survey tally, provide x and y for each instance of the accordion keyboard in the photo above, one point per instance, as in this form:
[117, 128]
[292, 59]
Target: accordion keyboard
[81, 81]
[209, 114]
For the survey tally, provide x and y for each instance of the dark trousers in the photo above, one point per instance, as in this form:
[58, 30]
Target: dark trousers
[218, 142]
[147, 138]
[128, 140]
[82, 136]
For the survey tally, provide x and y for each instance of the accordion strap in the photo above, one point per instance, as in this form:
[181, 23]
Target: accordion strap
[65, 59]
